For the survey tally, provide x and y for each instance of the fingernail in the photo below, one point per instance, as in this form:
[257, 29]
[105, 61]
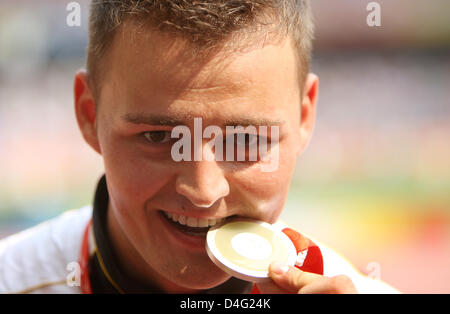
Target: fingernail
[278, 268]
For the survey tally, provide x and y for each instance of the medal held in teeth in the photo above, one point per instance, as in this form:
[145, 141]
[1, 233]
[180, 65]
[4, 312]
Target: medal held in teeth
[244, 248]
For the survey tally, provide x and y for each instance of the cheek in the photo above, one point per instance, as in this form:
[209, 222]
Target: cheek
[133, 180]
[266, 192]
[134, 175]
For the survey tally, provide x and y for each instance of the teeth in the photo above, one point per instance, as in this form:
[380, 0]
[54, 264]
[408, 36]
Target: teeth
[212, 222]
[192, 221]
[182, 220]
[202, 223]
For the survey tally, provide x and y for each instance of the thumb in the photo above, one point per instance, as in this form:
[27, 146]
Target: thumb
[291, 278]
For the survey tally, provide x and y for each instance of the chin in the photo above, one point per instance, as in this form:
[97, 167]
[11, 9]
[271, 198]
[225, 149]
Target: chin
[205, 283]
[200, 279]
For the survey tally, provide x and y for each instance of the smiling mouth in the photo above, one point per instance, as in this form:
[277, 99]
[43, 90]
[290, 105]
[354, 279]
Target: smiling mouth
[192, 225]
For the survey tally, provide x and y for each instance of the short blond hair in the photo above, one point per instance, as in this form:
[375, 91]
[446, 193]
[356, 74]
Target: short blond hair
[204, 23]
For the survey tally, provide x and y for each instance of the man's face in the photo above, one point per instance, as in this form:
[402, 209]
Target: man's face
[149, 88]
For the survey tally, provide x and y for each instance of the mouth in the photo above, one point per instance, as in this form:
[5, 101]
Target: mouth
[192, 225]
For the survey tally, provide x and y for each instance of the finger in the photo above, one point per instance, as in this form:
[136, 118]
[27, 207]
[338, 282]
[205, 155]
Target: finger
[330, 285]
[291, 278]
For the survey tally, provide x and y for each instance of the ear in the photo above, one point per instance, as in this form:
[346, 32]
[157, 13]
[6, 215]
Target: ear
[85, 110]
[308, 111]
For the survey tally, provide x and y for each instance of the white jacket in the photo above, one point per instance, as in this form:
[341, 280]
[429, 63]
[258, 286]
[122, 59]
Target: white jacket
[36, 260]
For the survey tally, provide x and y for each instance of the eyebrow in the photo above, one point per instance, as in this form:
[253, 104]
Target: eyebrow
[176, 120]
[154, 119]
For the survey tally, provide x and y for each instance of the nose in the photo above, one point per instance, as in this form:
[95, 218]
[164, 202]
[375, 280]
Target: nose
[202, 182]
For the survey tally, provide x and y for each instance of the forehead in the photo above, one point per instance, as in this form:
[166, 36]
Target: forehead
[151, 72]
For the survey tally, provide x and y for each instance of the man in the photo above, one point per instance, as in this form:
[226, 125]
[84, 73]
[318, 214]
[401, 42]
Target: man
[153, 66]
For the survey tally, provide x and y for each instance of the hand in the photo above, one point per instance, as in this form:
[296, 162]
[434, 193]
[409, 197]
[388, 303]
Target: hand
[290, 279]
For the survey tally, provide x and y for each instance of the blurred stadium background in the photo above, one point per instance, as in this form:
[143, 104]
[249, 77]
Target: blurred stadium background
[373, 184]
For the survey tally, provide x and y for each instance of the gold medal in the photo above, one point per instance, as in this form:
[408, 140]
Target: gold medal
[244, 248]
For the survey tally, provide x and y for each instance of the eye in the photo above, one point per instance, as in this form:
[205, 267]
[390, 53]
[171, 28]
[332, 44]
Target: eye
[245, 148]
[158, 137]
[246, 139]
